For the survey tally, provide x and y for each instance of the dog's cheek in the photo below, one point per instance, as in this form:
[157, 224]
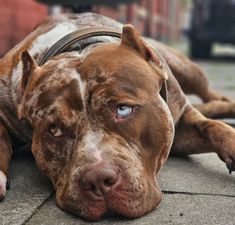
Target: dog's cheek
[156, 137]
[45, 158]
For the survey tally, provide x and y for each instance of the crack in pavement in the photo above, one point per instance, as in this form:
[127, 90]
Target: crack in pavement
[194, 193]
[38, 208]
[164, 191]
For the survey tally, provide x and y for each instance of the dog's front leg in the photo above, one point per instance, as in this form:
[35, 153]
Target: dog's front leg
[197, 134]
[5, 156]
[217, 109]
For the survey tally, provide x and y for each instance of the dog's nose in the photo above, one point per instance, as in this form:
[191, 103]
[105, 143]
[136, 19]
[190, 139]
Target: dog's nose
[99, 181]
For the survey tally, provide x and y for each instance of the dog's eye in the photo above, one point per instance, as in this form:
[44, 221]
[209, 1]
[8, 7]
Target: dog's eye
[55, 130]
[124, 110]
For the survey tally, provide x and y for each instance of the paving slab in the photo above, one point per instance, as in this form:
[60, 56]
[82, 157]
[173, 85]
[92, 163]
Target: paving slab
[176, 209]
[220, 76]
[28, 191]
[204, 173]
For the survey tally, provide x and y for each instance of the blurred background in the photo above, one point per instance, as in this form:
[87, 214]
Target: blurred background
[199, 28]
[202, 29]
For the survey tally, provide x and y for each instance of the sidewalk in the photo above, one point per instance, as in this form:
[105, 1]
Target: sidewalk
[198, 190]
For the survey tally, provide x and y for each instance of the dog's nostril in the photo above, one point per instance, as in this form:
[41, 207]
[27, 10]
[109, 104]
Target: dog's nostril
[96, 191]
[89, 184]
[92, 188]
[110, 181]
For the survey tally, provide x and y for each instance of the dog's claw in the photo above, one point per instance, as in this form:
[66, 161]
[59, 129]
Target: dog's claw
[230, 167]
[230, 163]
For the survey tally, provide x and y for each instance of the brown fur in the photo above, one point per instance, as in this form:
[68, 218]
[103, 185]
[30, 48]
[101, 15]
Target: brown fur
[68, 109]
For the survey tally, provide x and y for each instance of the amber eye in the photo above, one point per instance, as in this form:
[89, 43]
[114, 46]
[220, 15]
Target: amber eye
[55, 130]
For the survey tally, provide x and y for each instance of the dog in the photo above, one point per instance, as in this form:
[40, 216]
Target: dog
[103, 116]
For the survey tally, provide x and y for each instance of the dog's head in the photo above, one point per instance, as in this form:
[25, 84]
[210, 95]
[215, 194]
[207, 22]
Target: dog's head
[101, 130]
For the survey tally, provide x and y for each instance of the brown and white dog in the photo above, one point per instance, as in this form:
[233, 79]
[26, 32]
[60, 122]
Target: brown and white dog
[99, 127]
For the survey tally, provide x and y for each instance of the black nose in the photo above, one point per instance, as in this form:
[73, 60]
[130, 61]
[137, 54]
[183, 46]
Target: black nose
[99, 180]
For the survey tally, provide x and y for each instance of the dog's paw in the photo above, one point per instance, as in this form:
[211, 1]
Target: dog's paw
[212, 95]
[3, 185]
[229, 159]
[225, 99]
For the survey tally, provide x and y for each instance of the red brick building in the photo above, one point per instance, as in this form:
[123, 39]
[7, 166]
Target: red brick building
[17, 19]
[156, 18]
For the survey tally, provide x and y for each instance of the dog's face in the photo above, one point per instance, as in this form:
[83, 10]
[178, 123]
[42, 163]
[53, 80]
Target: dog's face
[101, 130]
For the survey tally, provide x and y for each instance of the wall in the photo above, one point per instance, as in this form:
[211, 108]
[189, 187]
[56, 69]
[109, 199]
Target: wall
[155, 18]
[17, 19]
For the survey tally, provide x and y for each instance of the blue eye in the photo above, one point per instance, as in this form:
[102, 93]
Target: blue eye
[124, 110]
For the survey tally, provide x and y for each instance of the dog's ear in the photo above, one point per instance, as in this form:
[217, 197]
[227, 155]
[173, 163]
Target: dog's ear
[29, 65]
[132, 39]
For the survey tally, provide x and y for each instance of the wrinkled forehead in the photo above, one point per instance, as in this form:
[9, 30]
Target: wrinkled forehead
[124, 66]
[67, 80]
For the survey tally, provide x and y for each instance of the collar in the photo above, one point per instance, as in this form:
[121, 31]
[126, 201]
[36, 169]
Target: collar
[70, 39]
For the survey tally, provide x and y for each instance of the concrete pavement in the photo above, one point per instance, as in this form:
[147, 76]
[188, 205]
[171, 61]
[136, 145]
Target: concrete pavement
[197, 189]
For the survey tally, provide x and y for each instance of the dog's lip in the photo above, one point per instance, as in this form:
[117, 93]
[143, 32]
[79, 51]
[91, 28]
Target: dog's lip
[112, 209]
[108, 205]
[100, 206]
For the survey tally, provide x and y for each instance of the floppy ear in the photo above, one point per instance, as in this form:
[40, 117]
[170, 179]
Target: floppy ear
[28, 66]
[132, 39]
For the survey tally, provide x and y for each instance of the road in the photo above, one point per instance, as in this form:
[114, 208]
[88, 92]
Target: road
[221, 76]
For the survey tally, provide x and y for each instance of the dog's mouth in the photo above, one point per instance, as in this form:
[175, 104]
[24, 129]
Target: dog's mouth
[125, 199]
